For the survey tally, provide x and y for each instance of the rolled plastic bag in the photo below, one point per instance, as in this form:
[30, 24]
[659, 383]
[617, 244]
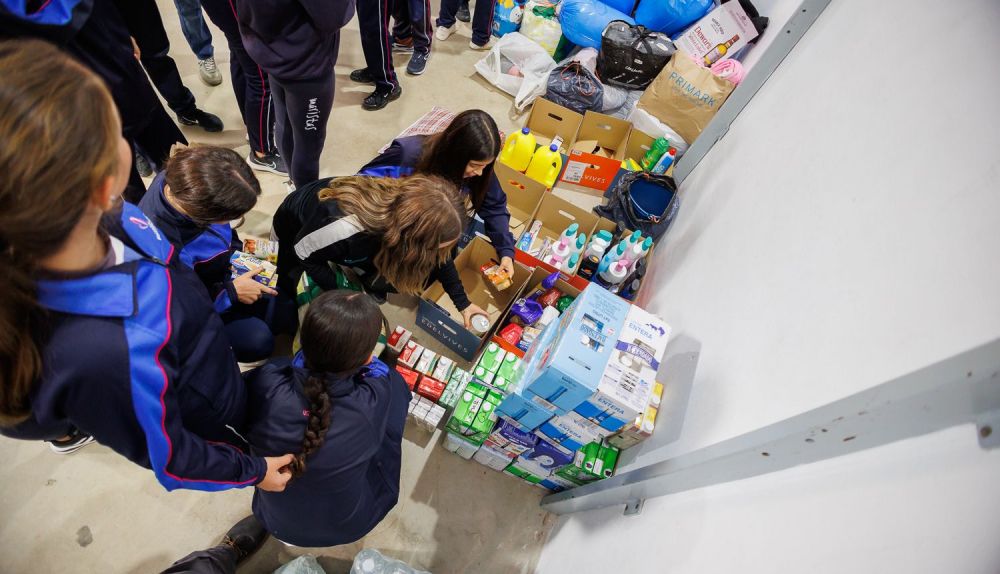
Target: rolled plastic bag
[583, 21]
[671, 16]
[731, 70]
[517, 66]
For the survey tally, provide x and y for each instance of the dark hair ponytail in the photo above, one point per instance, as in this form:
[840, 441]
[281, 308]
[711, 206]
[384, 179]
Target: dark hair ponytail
[339, 332]
[471, 136]
[49, 104]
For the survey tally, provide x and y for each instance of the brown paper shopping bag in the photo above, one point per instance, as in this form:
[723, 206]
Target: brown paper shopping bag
[685, 96]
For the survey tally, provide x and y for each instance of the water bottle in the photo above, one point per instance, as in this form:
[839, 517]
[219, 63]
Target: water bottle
[518, 149]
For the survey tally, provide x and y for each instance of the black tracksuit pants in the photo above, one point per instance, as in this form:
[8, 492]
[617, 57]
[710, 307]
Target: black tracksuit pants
[373, 19]
[302, 108]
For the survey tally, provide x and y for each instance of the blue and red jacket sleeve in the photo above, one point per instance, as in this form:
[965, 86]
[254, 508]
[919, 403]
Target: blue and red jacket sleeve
[496, 218]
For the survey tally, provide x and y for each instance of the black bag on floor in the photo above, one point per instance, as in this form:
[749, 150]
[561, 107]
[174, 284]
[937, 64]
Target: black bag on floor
[575, 87]
[641, 201]
[631, 56]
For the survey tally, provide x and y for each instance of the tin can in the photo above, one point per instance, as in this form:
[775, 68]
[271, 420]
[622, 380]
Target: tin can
[480, 324]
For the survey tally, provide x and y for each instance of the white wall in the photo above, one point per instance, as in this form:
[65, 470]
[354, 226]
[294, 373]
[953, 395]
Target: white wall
[846, 231]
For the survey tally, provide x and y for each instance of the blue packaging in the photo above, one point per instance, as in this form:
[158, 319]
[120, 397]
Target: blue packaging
[508, 437]
[524, 413]
[603, 417]
[544, 459]
[570, 431]
[507, 16]
[565, 369]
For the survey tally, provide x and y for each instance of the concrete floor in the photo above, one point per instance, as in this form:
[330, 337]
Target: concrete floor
[96, 512]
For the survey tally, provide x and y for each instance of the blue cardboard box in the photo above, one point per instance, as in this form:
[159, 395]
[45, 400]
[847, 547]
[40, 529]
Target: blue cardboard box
[570, 431]
[544, 459]
[574, 352]
[524, 413]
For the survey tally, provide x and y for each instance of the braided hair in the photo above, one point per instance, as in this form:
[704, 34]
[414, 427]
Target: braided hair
[339, 332]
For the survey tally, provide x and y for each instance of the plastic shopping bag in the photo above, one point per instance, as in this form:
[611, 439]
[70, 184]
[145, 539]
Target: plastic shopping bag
[517, 66]
[540, 23]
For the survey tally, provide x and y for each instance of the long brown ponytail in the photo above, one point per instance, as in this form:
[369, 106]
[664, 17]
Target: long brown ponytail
[59, 133]
[339, 332]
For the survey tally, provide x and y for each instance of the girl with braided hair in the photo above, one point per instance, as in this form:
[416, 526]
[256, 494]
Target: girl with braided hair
[343, 412]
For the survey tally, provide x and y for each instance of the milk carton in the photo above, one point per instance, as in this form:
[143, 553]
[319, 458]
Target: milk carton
[453, 391]
[493, 458]
[492, 357]
[523, 475]
[460, 446]
[628, 378]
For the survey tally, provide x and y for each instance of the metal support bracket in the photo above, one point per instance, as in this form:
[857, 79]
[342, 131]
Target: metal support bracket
[988, 430]
[634, 507]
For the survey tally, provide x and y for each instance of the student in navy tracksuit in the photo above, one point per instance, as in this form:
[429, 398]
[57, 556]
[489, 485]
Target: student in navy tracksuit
[192, 202]
[343, 412]
[464, 153]
[394, 235]
[104, 332]
[297, 42]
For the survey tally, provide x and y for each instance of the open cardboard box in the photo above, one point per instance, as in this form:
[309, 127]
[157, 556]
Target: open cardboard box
[556, 214]
[533, 282]
[523, 196]
[438, 316]
[593, 154]
[548, 120]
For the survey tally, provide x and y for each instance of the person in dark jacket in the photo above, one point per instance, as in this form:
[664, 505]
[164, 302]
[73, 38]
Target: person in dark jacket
[296, 42]
[95, 33]
[343, 412]
[192, 202]
[464, 153]
[394, 235]
[104, 333]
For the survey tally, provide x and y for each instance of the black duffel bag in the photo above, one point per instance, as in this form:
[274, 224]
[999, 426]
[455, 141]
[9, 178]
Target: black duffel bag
[632, 56]
[641, 201]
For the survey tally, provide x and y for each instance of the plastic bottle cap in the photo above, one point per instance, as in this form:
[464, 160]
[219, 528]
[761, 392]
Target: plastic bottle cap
[581, 240]
[525, 131]
[573, 259]
[636, 236]
[671, 151]
[552, 147]
[603, 266]
[621, 248]
[573, 227]
[605, 235]
[647, 243]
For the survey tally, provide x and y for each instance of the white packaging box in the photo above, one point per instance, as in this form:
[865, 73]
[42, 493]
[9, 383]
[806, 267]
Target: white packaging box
[460, 446]
[724, 30]
[630, 373]
[495, 459]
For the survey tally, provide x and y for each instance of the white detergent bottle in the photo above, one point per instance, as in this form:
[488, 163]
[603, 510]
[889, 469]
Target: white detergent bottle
[572, 263]
[639, 251]
[581, 241]
[599, 243]
[614, 275]
[561, 251]
[570, 233]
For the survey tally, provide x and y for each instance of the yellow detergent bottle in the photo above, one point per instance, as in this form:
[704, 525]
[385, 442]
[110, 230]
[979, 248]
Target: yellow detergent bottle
[517, 150]
[545, 165]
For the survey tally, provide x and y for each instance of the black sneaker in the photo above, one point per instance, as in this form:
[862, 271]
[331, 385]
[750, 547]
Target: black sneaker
[463, 12]
[418, 61]
[142, 165]
[271, 162]
[75, 442]
[245, 537]
[204, 120]
[378, 100]
[362, 76]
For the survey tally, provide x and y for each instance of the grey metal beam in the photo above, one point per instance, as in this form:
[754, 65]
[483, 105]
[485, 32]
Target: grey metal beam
[791, 33]
[960, 390]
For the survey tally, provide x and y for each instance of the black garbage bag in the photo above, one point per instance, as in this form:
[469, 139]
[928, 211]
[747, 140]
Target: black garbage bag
[641, 201]
[576, 88]
[631, 55]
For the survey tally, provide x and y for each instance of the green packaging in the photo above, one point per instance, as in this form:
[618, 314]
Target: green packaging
[600, 461]
[508, 367]
[483, 375]
[467, 408]
[500, 383]
[563, 303]
[492, 357]
[456, 385]
[526, 476]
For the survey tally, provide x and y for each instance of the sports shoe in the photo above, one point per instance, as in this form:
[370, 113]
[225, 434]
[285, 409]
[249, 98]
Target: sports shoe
[75, 442]
[245, 537]
[204, 120]
[209, 72]
[443, 33]
[418, 62]
[271, 162]
[378, 100]
[463, 13]
[489, 44]
[362, 76]
[402, 46]
[142, 165]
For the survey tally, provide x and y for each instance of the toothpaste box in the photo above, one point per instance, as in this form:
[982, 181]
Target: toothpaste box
[398, 339]
[492, 357]
[543, 459]
[410, 354]
[628, 378]
[242, 263]
[523, 475]
[456, 385]
[442, 371]
[458, 445]
[508, 438]
[493, 458]
[427, 362]
[571, 431]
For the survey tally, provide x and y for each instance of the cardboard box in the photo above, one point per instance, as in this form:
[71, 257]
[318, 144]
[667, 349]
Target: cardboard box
[492, 458]
[643, 425]
[458, 445]
[543, 459]
[556, 214]
[409, 376]
[523, 196]
[507, 437]
[523, 412]
[523, 475]
[721, 33]
[548, 120]
[628, 378]
[576, 350]
[534, 281]
[456, 386]
[430, 388]
[242, 263]
[593, 158]
[438, 316]
[571, 431]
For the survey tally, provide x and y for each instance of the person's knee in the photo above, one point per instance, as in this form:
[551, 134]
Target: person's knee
[253, 341]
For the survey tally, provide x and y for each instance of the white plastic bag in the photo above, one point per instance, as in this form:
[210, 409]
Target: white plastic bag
[648, 124]
[546, 31]
[517, 66]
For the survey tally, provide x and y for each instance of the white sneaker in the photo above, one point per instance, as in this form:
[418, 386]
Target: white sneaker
[488, 45]
[443, 33]
[209, 72]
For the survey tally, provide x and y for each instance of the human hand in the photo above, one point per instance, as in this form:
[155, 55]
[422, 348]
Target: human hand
[507, 264]
[248, 290]
[278, 474]
[471, 310]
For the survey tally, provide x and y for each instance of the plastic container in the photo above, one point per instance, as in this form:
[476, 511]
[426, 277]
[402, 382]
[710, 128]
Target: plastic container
[665, 162]
[588, 266]
[612, 277]
[572, 263]
[630, 290]
[581, 241]
[560, 252]
[479, 324]
[656, 151]
[518, 149]
[545, 165]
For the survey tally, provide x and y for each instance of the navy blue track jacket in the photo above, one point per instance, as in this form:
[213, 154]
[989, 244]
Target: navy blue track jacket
[134, 356]
[206, 250]
[352, 481]
[401, 158]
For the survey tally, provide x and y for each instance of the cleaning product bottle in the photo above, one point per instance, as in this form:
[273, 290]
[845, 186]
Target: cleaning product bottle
[560, 252]
[636, 237]
[619, 251]
[601, 270]
[571, 263]
[588, 265]
[518, 149]
[545, 165]
[612, 277]
[599, 243]
[664, 163]
[577, 247]
[638, 251]
[656, 151]
[570, 232]
[630, 290]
